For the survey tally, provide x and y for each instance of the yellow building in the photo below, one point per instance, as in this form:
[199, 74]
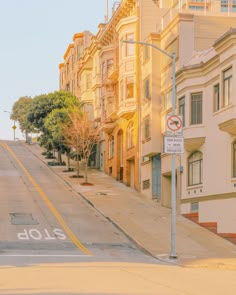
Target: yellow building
[128, 87]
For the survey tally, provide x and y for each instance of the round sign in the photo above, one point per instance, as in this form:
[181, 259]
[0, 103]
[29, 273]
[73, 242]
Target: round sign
[174, 123]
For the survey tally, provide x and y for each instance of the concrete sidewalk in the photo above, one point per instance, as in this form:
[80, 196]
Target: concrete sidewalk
[147, 223]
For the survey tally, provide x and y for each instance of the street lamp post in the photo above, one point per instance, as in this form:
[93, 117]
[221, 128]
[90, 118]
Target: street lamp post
[173, 254]
[13, 127]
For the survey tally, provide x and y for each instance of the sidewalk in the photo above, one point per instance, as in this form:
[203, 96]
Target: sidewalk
[148, 224]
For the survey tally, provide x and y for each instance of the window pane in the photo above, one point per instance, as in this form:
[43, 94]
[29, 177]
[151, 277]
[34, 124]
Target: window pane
[182, 109]
[146, 131]
[227, 87]
[130, 87]
[196, 108]
[195, 169]
[216, 102]
[129, 46]
[146, 89]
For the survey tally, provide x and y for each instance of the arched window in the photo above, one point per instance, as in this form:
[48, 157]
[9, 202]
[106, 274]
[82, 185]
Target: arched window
[234, 159]
[130, 135]
[111, 147]
[195, 168]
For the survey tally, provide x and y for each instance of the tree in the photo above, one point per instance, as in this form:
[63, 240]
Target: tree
[19, 113]
[42, 106]
[53, 123]
[82, 135]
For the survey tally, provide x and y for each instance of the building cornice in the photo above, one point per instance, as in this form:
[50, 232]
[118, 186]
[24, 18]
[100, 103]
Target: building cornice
[70, 46]
[78, 35]
[61, 65]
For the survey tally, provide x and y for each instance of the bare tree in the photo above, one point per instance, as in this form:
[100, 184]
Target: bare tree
[81, 134]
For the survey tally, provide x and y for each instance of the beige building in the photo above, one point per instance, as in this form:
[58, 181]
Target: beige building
[128, 87]
[206, 89]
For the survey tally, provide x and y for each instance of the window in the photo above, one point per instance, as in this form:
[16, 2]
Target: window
[79, 51]
[110, 66]
[129, 87]
[129, 46]
[195, 168]
[227, 87]
[147, 88]
[216, 98]
[103, 70]
[146, 53]
[228, 5]
[130, 135]
[111, 147]
[146, 128]
[121, 90]
[182, 109]
[88, 81]
[234, 159]
[196, 108]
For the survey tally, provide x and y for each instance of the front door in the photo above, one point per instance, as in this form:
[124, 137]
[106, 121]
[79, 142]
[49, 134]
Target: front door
[156, 176]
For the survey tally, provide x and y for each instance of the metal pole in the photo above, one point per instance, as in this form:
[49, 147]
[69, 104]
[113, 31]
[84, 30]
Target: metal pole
[173, 173]
[173, 158]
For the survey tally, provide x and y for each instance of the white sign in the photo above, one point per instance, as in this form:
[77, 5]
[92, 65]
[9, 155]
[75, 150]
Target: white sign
[173, 145]
[174, 125]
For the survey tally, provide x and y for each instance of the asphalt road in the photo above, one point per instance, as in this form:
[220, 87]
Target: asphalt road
[53, 242]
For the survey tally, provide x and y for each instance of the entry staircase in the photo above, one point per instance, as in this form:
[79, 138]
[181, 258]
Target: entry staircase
[211, 226]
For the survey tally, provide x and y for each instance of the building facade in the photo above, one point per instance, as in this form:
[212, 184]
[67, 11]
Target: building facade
[127, 89]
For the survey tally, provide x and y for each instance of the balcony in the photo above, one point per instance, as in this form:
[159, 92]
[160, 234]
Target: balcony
[228, 126]
[112, 72]
[111, 112]
[194, 137]
[127, 109]
[108, 126]
[193, 144]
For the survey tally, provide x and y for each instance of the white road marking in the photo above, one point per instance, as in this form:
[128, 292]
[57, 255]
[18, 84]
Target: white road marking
[36, 234]
[45, 255]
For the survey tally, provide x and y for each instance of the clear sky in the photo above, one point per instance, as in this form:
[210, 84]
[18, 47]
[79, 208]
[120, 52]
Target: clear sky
[34, 35]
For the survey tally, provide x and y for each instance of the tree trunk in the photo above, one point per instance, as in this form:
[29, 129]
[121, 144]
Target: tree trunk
[86, 170]
[59, 157]
[68, 160]
[77, 164]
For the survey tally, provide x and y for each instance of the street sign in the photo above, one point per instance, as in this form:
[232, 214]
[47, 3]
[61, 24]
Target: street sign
[173, 145]
[174, 125]
[14, 127]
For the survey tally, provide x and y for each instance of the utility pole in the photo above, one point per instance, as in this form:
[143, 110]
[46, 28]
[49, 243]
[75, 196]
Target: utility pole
[173, 254]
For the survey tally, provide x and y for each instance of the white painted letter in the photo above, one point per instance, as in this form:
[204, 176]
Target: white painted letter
[38, 234]
[48, 237]
[23, 236]
[59, 234]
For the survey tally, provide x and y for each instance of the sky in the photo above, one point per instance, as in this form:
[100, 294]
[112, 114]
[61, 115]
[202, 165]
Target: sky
[34, 35]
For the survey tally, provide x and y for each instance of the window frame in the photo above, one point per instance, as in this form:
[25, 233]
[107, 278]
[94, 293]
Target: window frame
[129, 87]
[216, 97]
[111, 146]
[227, 99]
[147, 93]
[130, 135]
[196, 117]
[146, 128]
[182, 109]
[130, 48]
[199, 167]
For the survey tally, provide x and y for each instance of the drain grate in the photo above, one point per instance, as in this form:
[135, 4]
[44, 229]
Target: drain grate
[22, 219]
